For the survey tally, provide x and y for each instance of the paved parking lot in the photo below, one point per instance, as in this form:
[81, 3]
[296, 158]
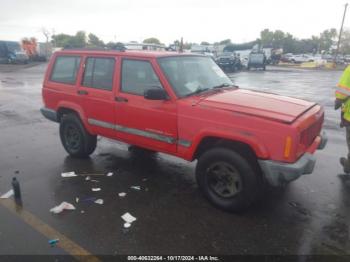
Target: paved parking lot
[311, 216]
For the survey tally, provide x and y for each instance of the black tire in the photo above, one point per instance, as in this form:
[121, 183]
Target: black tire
[75, 138]
[246, 183]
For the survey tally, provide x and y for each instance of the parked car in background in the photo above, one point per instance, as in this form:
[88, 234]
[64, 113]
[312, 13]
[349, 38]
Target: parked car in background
[347, 58]
[12, 53]
[229, 61]
[286, 57]
[340, 59]
[298, 59]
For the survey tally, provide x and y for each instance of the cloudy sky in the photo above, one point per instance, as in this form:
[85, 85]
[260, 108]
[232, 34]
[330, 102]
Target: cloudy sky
[195, 20]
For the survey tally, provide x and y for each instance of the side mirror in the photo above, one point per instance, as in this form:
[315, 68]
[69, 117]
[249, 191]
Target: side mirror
[155, 94]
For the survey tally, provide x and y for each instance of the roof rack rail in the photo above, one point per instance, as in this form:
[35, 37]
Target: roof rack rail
[120, 48]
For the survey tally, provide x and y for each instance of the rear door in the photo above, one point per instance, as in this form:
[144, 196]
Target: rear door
[96, 91]
[148, 123]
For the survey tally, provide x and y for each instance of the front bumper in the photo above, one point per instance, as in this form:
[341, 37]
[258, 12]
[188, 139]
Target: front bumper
[279, 173]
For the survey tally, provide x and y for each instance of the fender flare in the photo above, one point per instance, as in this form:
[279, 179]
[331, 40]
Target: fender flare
[244, 137]
[78, 109]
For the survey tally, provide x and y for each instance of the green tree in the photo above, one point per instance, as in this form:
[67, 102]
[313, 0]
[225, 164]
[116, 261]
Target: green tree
[345, 42]
[244, 46]
[278, 37]
[94, 41]
[225, 42]
[79, 40]
[61, 40]
[115, 45]
[266, 37]
[151, 40]
[327, 38]
[68, 41]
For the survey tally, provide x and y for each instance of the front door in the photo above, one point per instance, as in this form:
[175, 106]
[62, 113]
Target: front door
[139, 121]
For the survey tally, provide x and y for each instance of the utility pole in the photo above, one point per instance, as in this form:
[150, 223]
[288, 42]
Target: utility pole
[340, 33]
[181, 45]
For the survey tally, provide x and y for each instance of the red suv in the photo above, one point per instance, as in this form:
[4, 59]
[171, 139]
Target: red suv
[183, 105]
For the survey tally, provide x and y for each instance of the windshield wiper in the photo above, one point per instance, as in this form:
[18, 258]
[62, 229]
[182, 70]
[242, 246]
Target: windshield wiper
[201, 90]
[197, 91]
[222, 85]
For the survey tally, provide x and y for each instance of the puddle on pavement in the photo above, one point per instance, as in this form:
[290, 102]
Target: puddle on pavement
[10, 82]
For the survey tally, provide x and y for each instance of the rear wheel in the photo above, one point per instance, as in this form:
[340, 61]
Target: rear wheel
[75, 138]
[228, 180]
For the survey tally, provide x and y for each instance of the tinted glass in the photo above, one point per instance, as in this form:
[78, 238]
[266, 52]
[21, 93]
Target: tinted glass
[188, 74]
[65, 69]
[99, 73]
[138, 76]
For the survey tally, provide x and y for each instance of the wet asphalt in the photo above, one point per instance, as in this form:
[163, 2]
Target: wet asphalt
[309, 216]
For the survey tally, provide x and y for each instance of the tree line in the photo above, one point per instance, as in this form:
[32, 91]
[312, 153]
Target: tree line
[324, 42]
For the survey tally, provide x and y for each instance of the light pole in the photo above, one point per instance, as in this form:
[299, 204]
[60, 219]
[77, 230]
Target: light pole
[340, 33]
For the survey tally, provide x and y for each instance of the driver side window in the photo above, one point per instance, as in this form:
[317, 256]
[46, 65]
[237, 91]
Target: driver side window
[138, 76]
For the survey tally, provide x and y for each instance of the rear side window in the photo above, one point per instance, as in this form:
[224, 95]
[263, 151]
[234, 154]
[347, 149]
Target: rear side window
[138, 76]
[99, 73]
[65, 69]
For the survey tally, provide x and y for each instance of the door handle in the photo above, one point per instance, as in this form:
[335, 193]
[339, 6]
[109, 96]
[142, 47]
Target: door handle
[82, 92]
[121, 99]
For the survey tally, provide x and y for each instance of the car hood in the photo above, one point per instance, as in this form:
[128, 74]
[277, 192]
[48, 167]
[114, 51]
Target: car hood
[266, 105]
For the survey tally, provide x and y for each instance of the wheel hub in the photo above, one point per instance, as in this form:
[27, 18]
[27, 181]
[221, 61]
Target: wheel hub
[224, 179]
[72, 137]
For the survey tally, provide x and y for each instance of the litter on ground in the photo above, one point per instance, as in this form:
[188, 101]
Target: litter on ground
[69, 174]
[87, 178]
[128, 218]
[110, 174]
[89, 199]
[127, 225]
[53, 242]
[99, 201]
[136, 187]
[95, 174]
[94, 180]
[61, 207]
[76, 199]
[7, 194]
[95, 189]
[122, 194]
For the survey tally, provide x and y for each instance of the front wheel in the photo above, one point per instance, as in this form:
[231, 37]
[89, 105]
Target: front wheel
[228, 180]
[75, 138]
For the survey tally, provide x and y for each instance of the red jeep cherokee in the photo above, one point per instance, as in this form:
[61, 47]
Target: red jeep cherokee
[183, 105]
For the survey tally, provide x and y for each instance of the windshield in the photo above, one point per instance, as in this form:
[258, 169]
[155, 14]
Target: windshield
[192, 74]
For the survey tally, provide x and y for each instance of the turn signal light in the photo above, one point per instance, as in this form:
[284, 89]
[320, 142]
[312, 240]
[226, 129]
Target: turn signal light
[288, 147]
